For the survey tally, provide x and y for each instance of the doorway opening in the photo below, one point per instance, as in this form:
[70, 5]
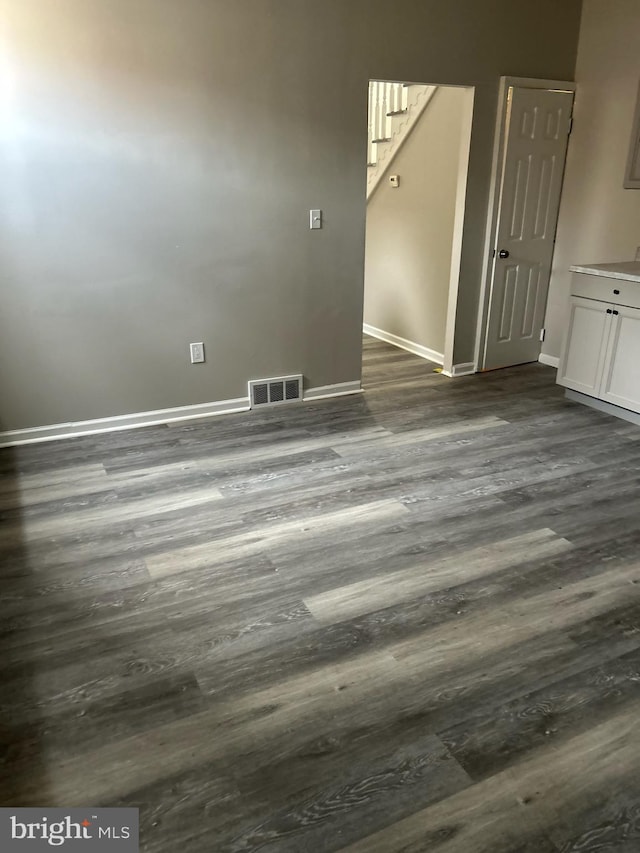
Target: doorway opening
[418, 157]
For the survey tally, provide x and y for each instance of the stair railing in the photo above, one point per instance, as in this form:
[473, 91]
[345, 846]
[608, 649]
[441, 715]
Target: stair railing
[385, 101]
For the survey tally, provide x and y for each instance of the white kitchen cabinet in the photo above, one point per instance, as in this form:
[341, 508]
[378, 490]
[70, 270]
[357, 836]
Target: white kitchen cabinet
[621, 374]
[601, 355]
[585, 348]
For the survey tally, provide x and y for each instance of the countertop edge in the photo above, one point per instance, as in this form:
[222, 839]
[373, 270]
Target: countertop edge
[607, 271]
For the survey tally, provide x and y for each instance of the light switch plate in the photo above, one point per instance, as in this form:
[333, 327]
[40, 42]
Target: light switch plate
[394, 181]
[197, 353]
[315, 219]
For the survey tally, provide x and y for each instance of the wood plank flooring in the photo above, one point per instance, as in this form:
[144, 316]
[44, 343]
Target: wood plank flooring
[407, 620]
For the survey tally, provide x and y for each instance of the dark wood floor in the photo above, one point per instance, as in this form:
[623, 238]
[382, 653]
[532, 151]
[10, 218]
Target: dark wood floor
[407, 620]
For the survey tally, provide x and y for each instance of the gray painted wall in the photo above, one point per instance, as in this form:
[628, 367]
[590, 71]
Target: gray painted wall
[599, 220]
[409, 232]
[157, 163]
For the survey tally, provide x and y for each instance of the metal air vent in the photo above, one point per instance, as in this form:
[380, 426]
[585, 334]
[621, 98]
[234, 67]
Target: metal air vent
[273, 392]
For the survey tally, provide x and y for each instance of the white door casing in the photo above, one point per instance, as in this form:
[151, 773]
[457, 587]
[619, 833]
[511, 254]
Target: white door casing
[535, 135]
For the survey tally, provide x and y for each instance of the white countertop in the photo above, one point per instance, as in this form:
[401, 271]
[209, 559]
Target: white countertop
[627, 270]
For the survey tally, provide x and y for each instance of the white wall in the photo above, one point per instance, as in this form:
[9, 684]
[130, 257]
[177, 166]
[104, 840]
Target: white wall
[410, 229]
[599, 220]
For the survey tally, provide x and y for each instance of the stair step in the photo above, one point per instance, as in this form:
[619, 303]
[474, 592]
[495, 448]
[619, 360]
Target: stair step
[382, 139]
[397, 112]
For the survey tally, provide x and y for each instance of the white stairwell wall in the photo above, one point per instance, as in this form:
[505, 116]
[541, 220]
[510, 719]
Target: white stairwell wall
[394, 109]
[410, 230]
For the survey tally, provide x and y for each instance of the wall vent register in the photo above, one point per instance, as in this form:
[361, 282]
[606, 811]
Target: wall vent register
[275, 391]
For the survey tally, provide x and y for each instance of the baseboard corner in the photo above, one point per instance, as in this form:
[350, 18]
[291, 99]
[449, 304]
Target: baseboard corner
[465, 368]
[549, 360]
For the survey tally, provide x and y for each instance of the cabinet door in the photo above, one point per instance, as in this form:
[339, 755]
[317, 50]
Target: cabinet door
[621, 377]
[585, 346]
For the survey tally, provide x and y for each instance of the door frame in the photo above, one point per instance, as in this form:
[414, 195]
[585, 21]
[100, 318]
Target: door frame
[464, 157]
[493, 211]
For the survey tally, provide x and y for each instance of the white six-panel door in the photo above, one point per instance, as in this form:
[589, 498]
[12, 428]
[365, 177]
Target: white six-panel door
[537, 130]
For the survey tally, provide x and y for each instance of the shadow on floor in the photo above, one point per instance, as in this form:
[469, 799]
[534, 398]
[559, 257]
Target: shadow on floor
[23, 777]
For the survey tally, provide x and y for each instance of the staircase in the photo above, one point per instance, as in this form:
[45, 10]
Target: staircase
[394, 108]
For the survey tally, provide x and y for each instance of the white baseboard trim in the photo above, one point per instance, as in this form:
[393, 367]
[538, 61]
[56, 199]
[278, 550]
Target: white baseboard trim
[403, 343]
[340, 389]
[466, 368]
[158, 417]
[549, 360]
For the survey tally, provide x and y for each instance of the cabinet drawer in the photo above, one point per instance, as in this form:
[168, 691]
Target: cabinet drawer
[615, 290]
